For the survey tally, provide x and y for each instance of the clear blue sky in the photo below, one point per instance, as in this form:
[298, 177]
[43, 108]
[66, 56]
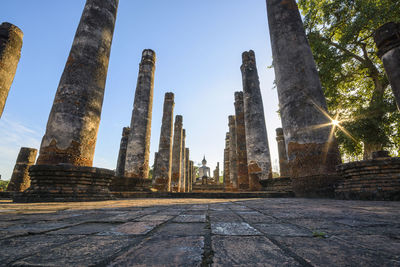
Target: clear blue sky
[198, 44]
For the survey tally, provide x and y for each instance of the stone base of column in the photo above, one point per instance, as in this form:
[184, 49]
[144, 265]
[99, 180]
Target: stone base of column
[66, 183]
[377, 179]
[316, 185]
[280, 184]
[161, 185]
[128, 184]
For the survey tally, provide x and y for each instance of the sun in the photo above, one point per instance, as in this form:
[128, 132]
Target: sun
[335, 122]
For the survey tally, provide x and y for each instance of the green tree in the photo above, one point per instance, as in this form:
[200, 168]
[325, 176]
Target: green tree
[340, 33]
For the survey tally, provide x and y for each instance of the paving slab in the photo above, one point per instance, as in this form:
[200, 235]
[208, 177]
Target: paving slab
[233, 228]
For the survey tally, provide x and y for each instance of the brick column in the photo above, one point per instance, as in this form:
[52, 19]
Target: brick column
[20, 179]
[120, 170]
[137, 154]
[283, 162]
[233, 170]
[226, 163]
[187, 170]
[162, 168]
[176, 155]
[74, 119]
[10, 53]
[183, 165]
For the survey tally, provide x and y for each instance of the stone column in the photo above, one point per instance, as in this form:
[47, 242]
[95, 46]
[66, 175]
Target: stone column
[258, 157]
[137, 154]
[302, 103]
[74, 119]
[243, 174]
[20, 180]
[183, 169]
[387, 39]
[187, 170]
[120, 170]
[226, 162]
[216, 173]
[283, 162]
[191, 176]
[176, 155]
[10, 53]
[233, 170]
[162, 168]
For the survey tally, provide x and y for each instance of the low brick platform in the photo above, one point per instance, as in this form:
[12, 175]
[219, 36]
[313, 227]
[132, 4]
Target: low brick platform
[280, 184]
[128, 184]
[377, 179]
[316, 185]
[202, 195]
[60, 183]
[208, 187]
[201, 232]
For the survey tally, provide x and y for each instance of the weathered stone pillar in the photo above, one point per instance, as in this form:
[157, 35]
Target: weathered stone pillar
[137, 154]
[243, 174]
[10, 53]
[162, 168]
[74, 119]
[216, 173]
[258, 157]
[120, 170]
[176, 155]
[387, 39]
[283, 162]
[63, 171]
[183, 169]
[301, 102]
[233, 170]
[226, 162]
[191, 176]
[187, 170]
[20, 179]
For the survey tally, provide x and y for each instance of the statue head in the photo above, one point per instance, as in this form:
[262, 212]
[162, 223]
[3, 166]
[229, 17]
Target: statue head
[204, 161]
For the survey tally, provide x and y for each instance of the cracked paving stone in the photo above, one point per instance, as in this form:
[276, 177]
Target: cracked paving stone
[330, 252]
[155, 218]
[88, 251]
[248, 251]
[132, 228]
[223, 228]
[256, 217]
[216, 216]
[36, 227]
[84, 229]
[21, 247]
[181, 229]
[190, 218]
[283, 230]
[164, 251]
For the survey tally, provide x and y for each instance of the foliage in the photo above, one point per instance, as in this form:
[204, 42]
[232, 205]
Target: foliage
[340, 33]
[3, 185]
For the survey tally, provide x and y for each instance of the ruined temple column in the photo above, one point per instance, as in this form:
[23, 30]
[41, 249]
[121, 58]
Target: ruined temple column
[226, 162]
[187, 171]
[243, 174]
[258, 157]
[216, 173]
[162, 167]
[120, 170]
[20, 179]
[233, 170]
[10, 53]
[302, 102]
[387, 39]
[138, 151]
[74, 119]
[176, 155]
[283, 162]
[181, 187]
[191, 176]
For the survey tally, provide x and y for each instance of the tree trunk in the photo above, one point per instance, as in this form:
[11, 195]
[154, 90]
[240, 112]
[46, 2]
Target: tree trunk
[369, 148]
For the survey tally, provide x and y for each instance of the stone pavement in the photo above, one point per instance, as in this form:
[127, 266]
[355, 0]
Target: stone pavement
[201, 232]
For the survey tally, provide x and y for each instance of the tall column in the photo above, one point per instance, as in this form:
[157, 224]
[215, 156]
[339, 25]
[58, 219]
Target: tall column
[74, 119]
[20, 179]
[216, 173]
[243, 174]
[258, 157]
[120, 170]
[187, 171]
[183, 169]
[283, 162]
[176, 155]
[387, 39]
[137, 154]
[302, 103]
[162, 168]
[191, 176]
[226, 162]
[10, 53]
[233, 171]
